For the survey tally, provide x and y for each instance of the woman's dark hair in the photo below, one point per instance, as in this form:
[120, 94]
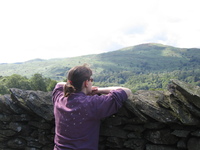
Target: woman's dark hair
[76, 76]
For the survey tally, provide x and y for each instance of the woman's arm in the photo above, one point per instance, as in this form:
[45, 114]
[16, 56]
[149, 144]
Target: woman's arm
[107, 90]
[61, 83]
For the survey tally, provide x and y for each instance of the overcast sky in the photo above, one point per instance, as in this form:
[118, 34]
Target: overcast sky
[47, 29]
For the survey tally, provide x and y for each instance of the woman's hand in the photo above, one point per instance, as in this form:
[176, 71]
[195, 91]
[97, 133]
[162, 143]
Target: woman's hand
[94, 90]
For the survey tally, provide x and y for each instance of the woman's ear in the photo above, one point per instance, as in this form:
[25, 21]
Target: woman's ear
[86, 83]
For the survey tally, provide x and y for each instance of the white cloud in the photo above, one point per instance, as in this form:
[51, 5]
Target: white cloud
[65, 28]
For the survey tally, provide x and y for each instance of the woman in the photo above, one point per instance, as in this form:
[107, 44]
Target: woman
[78, 109]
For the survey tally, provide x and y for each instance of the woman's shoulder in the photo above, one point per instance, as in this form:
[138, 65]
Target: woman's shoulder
[58, 88]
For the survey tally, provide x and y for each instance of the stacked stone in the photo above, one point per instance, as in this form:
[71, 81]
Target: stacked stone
[156, 120]
[26, 121]
[149, 120]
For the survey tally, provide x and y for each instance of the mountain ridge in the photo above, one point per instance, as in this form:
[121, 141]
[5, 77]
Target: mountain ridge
[139, 59]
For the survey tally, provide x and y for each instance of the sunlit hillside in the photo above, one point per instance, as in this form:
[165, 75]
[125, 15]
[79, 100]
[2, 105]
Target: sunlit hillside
[117, 67]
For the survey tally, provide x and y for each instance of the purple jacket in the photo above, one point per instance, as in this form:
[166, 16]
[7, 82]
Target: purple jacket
[77, 117]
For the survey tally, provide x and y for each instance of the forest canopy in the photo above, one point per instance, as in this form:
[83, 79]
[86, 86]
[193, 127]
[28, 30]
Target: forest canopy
[150, 81]
[36, 82]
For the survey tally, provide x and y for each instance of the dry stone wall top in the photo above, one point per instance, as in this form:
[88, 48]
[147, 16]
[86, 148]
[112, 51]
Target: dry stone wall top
[149, 120]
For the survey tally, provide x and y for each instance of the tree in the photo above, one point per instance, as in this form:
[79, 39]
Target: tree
[38, 82]
[17, 81]
[3, 89]
[50, 84]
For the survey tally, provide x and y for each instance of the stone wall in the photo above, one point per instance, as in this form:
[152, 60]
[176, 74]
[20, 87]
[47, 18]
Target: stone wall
[149, 120]
[26, 120]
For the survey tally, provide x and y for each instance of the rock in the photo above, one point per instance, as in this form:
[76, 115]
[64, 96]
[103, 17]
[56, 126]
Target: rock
[40, 125]
[131, 106]
[136, 128]
[6, 134]
[34, 101]
[3, 146]
[48, 147]
[132, 135]
[3, 125]
[180, 98]
[182, 113]
[145, 102]
[113, 121]
[15, 126]
[43, 138]
[114, 131]
[134, 120]
[183, 127]
[160, 147]
[17, 143]
[123, 112]
[5, 117]
[196, 133]
[34, 143]
[3, 105]
[154, 125]
[9, 106]
[193, 144]
[164, 102]
[21, 117]
[182, 143]
[181, 133]
[136, 144]
[161, 137]
[115, 142]
[192, 93]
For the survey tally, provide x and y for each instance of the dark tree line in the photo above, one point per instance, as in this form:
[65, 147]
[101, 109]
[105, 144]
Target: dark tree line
[36, 82]
[135, 81]
[147, 81]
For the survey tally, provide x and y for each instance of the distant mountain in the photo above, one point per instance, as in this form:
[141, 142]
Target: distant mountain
[140, 59]
[34, 60]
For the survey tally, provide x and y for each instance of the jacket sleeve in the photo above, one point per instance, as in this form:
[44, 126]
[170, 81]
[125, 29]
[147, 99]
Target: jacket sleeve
[58, 90]
[109, 104]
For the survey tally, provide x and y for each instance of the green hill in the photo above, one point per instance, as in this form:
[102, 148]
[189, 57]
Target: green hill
[118, 67]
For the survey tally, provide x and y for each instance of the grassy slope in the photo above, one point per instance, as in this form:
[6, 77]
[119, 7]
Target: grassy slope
[138, 59]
